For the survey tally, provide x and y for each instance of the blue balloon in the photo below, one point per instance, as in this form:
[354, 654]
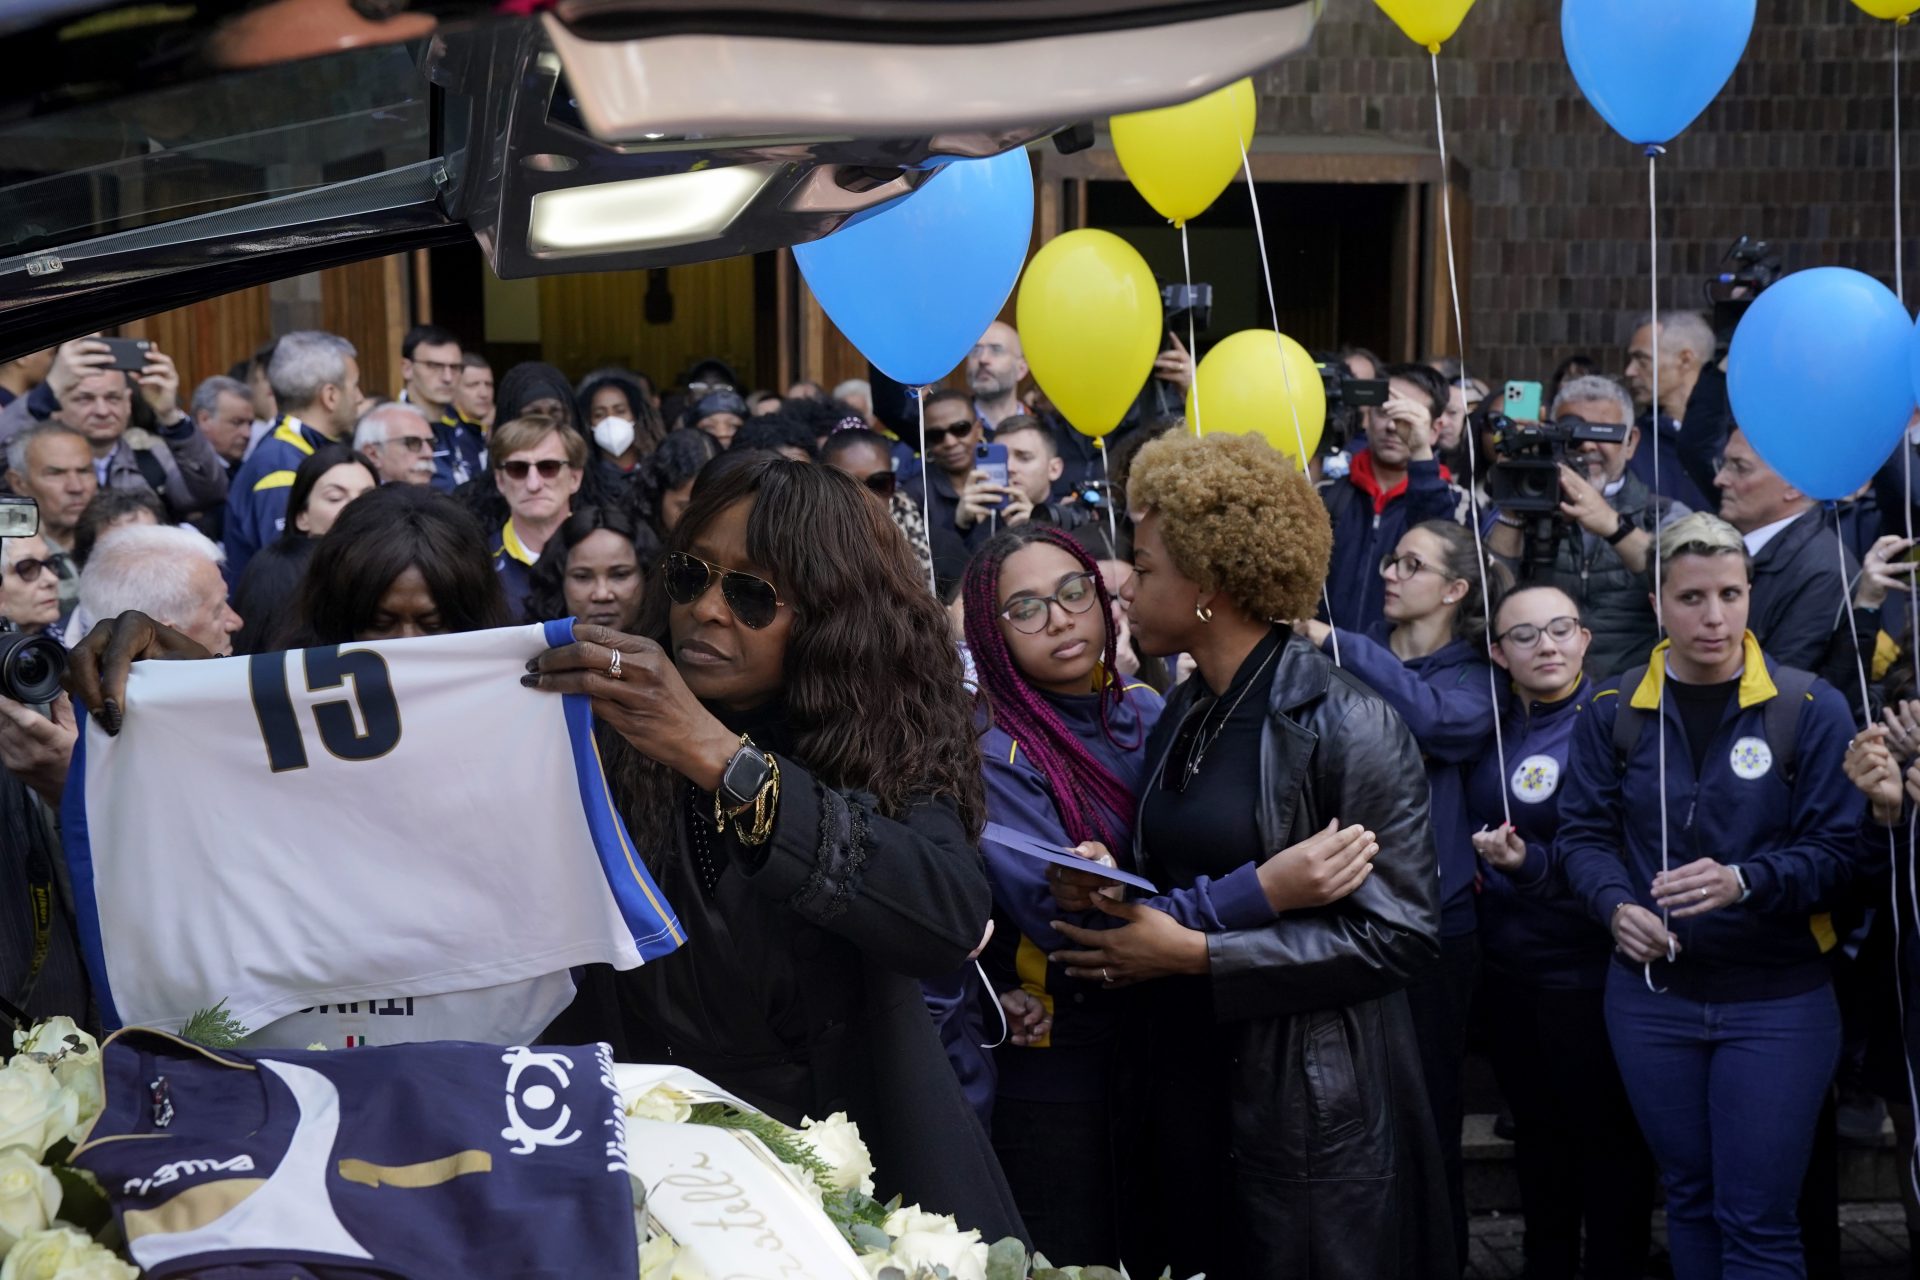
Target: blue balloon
[1650, 67]
[914, 283]
[1820, 378]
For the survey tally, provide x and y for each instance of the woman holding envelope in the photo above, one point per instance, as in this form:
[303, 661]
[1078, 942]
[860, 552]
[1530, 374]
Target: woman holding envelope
[1284, 1124]
[1063, 755]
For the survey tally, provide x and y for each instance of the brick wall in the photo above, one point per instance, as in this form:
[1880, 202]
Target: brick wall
[1797, 149]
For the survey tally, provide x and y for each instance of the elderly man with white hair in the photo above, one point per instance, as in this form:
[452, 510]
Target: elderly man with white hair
[170, 574]
[1686, 351]
[1607, 521]
[398, 440]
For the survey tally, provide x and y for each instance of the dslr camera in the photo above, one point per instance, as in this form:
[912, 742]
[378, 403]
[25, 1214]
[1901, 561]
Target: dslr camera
[1746, 270]
[1525, 479]
[31, 665]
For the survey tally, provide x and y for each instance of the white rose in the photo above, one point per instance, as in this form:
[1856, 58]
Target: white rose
[63, 1254]
[836, 1140]
[808, 1185]
[962, 1253]
[83, 1078]
[662, 1102]
[29, 1196]
[912, 1218]
[56, 1036]
[663, 1259]
[35, 1112]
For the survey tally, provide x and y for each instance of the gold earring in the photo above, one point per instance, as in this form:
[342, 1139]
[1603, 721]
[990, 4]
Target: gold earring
[1203, 613]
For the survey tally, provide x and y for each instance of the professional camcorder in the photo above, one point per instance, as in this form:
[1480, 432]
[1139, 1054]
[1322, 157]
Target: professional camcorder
[1747, 269]
[1526, 478]
[31, 665]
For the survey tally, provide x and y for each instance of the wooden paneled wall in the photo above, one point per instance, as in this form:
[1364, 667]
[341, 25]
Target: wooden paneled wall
[366, 303]
[587, 321]
[208, 337]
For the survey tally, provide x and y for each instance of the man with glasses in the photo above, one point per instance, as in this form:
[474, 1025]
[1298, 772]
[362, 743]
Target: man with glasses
[84, 390]
[1686, 352]
[315, 378]
[52, 463]
[994, 371]
[962, 503]
[1798, 591]
[1608, 520]
[538, 464]
[430, 367]
[398, 440]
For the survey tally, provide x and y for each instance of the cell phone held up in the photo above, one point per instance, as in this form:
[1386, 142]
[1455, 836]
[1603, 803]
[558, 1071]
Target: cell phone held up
[1523, 401]
[129, 354]
[992, 459]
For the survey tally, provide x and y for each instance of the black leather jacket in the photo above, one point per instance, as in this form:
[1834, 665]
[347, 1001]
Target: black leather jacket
[1336, 1167]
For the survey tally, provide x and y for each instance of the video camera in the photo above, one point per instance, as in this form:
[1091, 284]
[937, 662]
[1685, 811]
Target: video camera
[1746, 270]
[1525, 480]
[1178, 302]
[1346, 396]
[31, 665]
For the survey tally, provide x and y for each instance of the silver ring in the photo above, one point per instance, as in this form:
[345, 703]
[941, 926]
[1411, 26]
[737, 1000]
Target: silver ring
[1104, 975]
[1703, 893]
[613, 666]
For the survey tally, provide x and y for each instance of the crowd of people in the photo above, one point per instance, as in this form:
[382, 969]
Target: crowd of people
[1610, 792]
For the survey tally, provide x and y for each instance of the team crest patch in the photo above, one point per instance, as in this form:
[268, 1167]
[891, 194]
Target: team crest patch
[1536, 778]
[1752, 757]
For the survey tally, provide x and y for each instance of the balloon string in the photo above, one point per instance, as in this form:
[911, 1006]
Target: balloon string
[1899, 981]
[1660, 703]
[1286, 374]
[996, 1007]
[1193, 352]
[1473, 467]
[926, 493]
[1113, 520]
[1899, 238]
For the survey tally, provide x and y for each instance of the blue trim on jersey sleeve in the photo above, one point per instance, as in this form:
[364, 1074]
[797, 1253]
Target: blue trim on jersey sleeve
[79, 851]
[656, 930]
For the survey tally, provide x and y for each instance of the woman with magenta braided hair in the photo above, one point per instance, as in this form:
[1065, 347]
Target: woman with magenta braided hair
[1063, 756]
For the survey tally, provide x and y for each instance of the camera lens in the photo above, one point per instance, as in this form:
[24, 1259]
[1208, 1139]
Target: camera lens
[31, 667]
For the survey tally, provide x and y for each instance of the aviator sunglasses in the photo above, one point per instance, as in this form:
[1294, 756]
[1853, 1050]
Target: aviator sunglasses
[753, 600]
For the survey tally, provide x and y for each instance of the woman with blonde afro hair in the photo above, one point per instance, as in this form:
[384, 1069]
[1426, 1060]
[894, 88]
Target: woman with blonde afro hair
[1281, 1116]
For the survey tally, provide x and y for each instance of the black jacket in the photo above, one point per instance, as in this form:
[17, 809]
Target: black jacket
[798, 985]
[1798, 593]
[1334, 1158]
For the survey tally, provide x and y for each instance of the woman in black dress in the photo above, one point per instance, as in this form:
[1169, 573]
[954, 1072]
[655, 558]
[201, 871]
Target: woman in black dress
[791, 741]
[1285, 1126]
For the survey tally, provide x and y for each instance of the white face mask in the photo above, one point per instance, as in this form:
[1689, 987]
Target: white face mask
[613, 435]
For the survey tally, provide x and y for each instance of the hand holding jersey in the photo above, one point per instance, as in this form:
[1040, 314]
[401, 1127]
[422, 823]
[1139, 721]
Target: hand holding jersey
[645, 700]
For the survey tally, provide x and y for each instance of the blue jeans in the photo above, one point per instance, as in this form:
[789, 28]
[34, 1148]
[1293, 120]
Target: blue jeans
[1727, 1096]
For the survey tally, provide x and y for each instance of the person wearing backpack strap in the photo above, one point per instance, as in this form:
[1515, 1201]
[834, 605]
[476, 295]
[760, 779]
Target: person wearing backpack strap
[1720, 1003]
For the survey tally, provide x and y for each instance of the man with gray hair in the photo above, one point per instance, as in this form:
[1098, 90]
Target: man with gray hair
[222, 411]
[172, 575]
[1608, 517]
[1686, 350]
[397, 438]
[52, 463]
[316, 382]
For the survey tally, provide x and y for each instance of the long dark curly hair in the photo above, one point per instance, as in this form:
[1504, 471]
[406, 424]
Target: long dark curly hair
[875, 697]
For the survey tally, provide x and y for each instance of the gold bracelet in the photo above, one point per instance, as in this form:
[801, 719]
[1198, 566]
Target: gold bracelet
[766, 802]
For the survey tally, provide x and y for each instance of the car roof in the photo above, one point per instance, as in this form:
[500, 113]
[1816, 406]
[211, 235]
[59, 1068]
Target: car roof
[153, 154]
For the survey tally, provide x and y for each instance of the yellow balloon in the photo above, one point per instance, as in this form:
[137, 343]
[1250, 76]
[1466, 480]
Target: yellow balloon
[1428, 22]
[1242, 386]
[1181, 158]
[1898, 10]
[1089, 320]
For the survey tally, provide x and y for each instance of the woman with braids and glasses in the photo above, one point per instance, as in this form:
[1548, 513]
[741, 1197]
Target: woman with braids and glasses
[1281, 1116]
[1428, 659]
[809, 804]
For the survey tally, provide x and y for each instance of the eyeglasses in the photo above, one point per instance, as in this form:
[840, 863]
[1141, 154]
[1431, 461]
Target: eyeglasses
[882, 483]
[1403, 567]
[934, 435]
[1737, 467]
[1028, 615]
[1526, 635]
[420, 444]
[752, 599]
[28, 569]
[549, 468]
[995, 349]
